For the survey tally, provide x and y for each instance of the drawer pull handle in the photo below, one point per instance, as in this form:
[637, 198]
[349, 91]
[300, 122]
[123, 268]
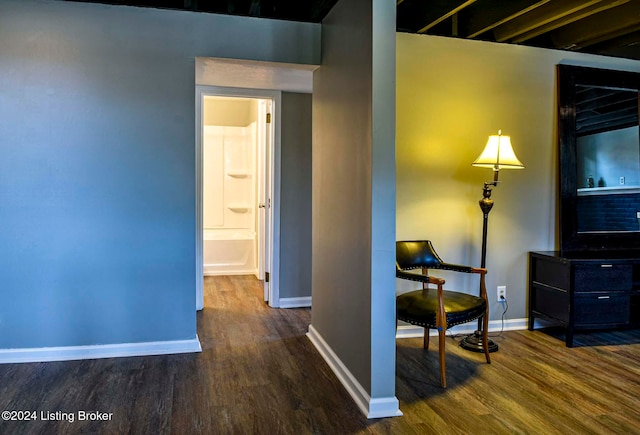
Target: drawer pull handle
[604, 297]
[606, 265]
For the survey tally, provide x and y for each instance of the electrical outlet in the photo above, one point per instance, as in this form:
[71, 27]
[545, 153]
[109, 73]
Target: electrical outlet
[502, 293]
[621, 180]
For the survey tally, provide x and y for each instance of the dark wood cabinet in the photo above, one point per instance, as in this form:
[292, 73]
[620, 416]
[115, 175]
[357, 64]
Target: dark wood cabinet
[585, 290]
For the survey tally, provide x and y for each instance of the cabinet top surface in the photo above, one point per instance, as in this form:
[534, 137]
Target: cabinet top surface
[591, 255]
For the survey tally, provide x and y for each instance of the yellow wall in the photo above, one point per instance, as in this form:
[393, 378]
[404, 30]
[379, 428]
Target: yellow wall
[451, 95]
[230, 112]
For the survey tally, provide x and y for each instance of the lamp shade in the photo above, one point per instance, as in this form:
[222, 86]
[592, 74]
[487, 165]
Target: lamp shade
[498, 154]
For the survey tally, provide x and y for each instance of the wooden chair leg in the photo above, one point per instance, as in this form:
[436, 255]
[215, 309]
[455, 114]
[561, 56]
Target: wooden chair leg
[426, 338]
[485, 337]
[441, 351]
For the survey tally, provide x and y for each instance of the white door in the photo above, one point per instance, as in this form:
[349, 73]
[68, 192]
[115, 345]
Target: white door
[264, 194]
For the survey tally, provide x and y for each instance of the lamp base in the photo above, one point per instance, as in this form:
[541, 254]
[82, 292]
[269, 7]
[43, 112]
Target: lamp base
[473, 343]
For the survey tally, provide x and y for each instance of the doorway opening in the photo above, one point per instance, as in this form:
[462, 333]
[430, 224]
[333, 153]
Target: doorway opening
[237, 156]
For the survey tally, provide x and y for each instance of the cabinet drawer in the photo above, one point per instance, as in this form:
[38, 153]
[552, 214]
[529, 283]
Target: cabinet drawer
[552, 273]
[601, 309]
[551, 302]
[602, 277]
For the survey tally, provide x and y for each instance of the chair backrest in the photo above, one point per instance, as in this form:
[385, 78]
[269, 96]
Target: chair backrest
[415, 254]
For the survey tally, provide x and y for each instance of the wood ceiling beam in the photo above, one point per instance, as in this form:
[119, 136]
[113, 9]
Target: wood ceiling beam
[568, 19]
[629, 42]
[598, 28]
[541, 16]
[485, 16]
[441, 10]
[609, 38]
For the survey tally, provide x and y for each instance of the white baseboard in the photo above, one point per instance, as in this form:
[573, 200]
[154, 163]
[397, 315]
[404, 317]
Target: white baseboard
[410, 331]
[302, 302]
[70, 353]
[213, 271]
[372, 408]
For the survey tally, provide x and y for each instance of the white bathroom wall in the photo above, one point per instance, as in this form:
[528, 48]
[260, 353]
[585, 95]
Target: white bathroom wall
[212, 177]
[229, 177]
[229, 156]
[229, 161]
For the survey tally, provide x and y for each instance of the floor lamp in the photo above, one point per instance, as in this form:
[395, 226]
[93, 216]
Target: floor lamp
[497, 154]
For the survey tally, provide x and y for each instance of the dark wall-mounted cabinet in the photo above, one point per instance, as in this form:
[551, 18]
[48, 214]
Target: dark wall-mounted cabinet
[584, 291]
[593, 282]
[598, 102]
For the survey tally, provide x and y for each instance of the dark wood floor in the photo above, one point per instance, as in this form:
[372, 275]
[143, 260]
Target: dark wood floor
[258, 373]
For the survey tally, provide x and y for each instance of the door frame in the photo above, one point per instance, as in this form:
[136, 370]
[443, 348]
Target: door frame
[273, 244]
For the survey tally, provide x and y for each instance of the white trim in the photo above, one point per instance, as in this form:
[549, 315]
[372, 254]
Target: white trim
[274, 257]
[70, 353]
[372, 408]
[214, 271]
[199, 220]
[274, 272]
[301, 302]
[410, 331]
[288, 77]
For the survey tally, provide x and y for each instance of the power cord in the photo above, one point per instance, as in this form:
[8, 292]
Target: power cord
[499, 334]
[506, 307]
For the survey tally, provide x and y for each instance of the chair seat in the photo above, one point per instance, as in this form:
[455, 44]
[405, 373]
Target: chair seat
[419, 307]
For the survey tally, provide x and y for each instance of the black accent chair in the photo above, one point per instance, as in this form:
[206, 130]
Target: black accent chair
[435, 307]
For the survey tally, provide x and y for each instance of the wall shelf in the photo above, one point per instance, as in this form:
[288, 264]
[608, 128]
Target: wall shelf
[238, 174]
[239, 208]
[615, 190]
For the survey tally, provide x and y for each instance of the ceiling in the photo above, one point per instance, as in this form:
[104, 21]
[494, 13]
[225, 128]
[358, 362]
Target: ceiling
[607, 27]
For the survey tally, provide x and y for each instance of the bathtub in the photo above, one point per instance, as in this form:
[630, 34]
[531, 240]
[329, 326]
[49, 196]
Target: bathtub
[229, 252]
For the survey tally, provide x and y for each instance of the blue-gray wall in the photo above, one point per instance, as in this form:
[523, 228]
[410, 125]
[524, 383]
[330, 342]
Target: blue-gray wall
[97, 184]
[295, 196]
[353, 280]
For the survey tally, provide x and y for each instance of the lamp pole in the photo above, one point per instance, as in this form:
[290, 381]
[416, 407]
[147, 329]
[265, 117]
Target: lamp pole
[486, 204]
[473, 342]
